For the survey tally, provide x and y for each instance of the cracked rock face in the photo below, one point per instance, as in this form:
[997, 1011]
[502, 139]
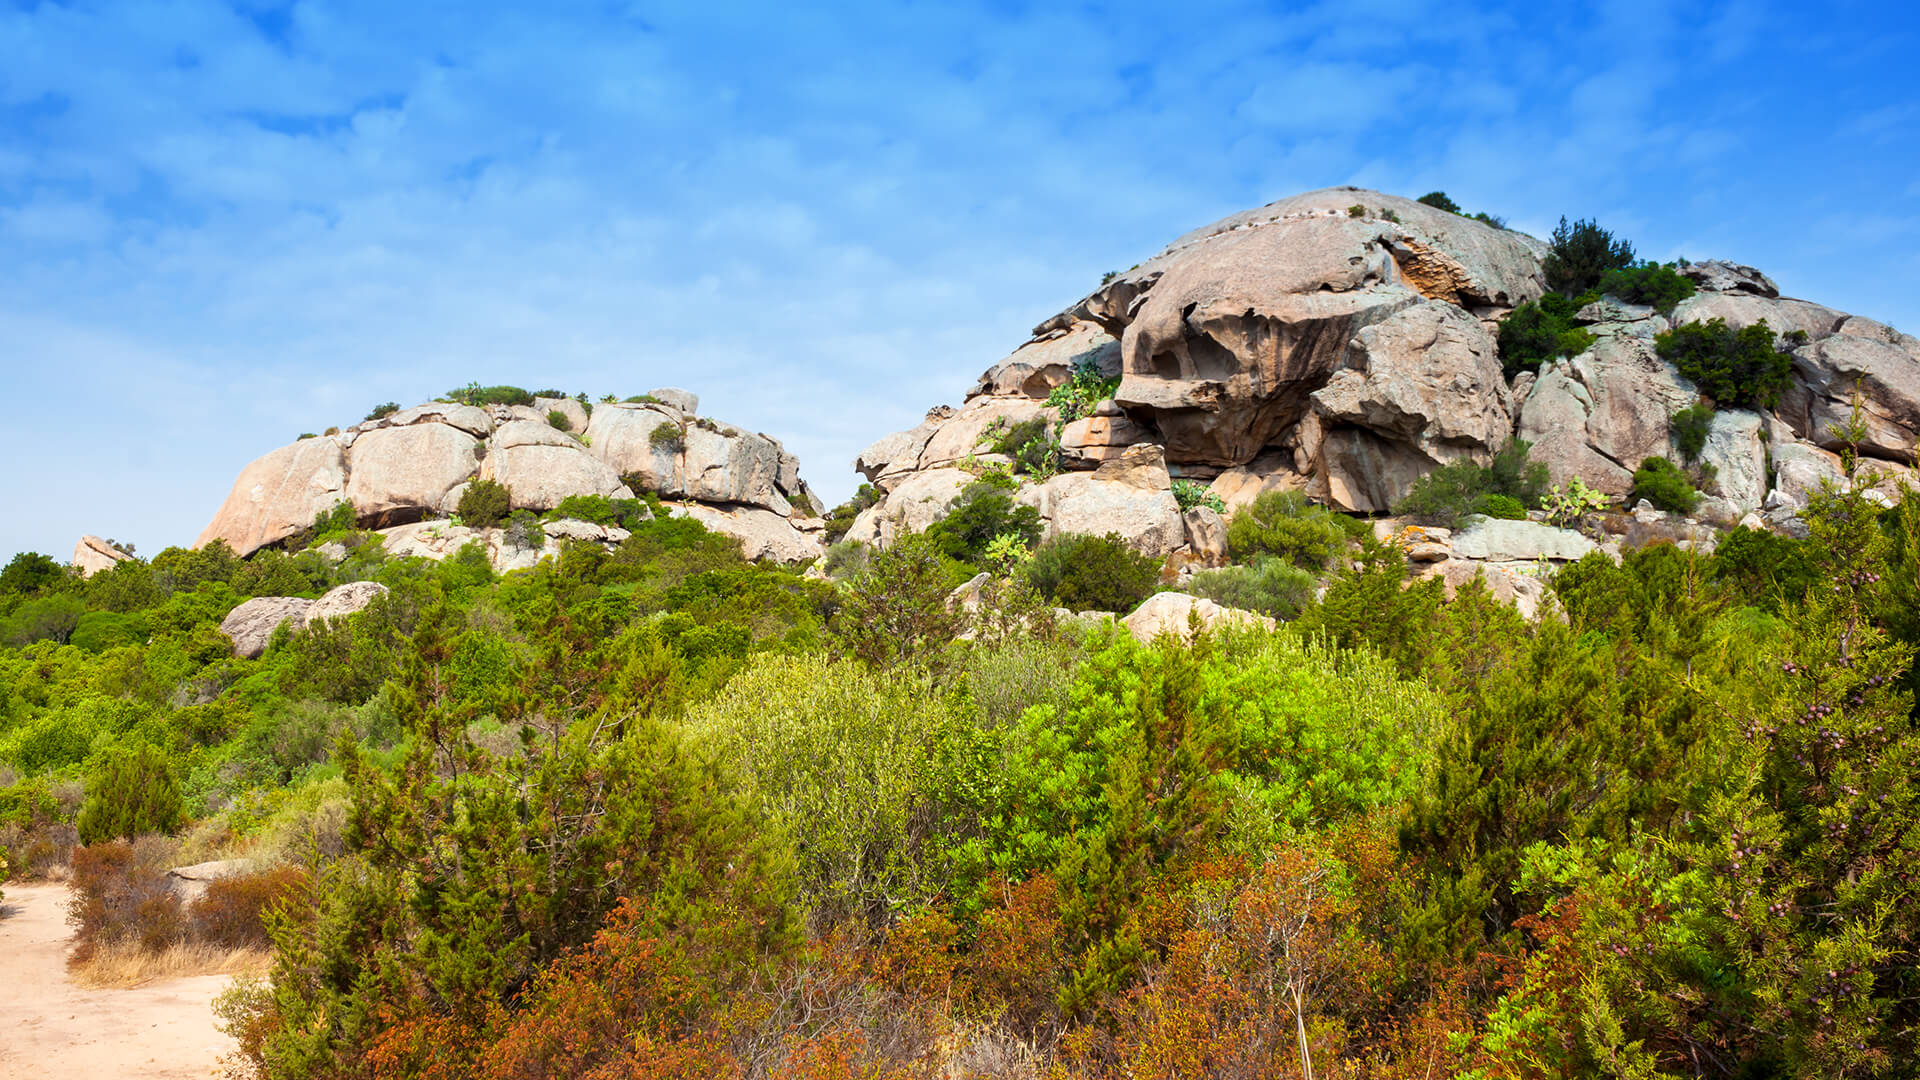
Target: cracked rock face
[1229, 332]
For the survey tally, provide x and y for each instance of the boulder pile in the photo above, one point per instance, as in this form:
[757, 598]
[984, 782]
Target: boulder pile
[403, 474]
[1343, 343]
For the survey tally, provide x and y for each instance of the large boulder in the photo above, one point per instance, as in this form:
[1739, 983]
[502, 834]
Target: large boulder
[918, 501]
[624, 437]
[1231, 329]
[1131, 496]
[92, 555]
[762, 533]
[252, 624]
[1175, 614]
[540, 475]
[342, 601]
[1499, 540]
[1049, 360]
[1425, 384]
[438, 540]
[279, 494]
[1738, 453]
[399, 474]
[1827, 376]
[1596, 416]
[727, 465]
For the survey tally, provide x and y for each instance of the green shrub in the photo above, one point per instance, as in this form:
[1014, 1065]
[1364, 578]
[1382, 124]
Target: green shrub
[1356, 211]
[475, 394]
[667, 439]
[1485, 218]
[1439, 201]
[1764, 568]
[640, 399]
[558, 420]
[841, 518]
[1663, 484]
[1689, 427]
[132, 792]
[1736, 368]
[1097, 573]
[98, 631]
[836, 756]
[1084, 389]
[484, 503]
[1269, 585]
[1032, 445]
[601, 510]
[1534, 333]
[1505, 507]
[981, 514]
[335, 522]
[523, 530]
[844, 559]
[1192, 494]
[1580, 255]
[383, 410]
[52, 617]
[29, 572]
[1289, 525]
[1656, 285]
[1448, 494]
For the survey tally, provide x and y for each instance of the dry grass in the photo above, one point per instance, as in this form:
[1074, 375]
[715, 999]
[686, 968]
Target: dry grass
[124, 964]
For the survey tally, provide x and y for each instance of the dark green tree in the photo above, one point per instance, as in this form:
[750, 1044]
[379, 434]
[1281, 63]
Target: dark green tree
[1580, 256]
[131, 793]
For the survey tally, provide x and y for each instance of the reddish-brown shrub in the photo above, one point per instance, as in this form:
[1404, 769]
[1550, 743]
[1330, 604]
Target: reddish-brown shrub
[120, 893]
[229, 913]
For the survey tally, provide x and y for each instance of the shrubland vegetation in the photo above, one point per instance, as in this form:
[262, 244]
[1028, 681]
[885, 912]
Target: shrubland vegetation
[663, 812]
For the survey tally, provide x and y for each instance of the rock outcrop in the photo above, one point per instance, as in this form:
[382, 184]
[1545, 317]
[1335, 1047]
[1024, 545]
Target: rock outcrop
[411, 467]
[251, 625]
[1343, 343]
[1174, 613]
[92, 555]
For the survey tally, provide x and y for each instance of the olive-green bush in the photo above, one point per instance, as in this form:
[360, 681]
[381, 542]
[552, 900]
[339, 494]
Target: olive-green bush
[1290, 526]
[132, 792]
[484, 503]
[1092, 573]
[1580, 255]
[1663, 484]
[1738, 369]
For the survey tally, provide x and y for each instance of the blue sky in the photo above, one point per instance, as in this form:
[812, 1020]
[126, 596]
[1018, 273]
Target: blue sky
[222, 225]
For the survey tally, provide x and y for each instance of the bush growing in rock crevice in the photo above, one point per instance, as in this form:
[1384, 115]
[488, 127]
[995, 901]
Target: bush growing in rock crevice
[1742, 368]
[1445, 496]
[484, 504]
[1287, 525]
[1663, 484]
[1580, 255]
[1097, 573]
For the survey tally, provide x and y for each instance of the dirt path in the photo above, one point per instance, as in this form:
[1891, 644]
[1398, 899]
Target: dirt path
[51, 1029]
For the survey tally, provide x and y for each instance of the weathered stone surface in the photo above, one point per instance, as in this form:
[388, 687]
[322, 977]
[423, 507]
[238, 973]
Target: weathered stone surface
[92, 555]
[474, 421]
[894, 456]
[1509, 583]
[762, 533]
[1826, 375]
[1800, 470]
[574, 411]
[965, 434]
[1425, 388]
[529, 433]
[1738, 455]
[1599, 414]
[1497, 540]
[1235, 325]
[733, 466]
[1742, 309]
[252, 623]
[1038, 366]
[685, 400]
[1715, 275]
[1101, 438]
[622, 436]
[575, 530]
[1241, 485]
[342, 601]
[538, 476]
[278, 495]
[395, 473]
[1131, 496]
[1174, 613]
[189, 883]
[440, 539]
[1207, 536]
[920, 500]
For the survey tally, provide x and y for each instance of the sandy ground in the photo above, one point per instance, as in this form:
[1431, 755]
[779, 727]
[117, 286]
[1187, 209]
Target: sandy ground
[51, 1029]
